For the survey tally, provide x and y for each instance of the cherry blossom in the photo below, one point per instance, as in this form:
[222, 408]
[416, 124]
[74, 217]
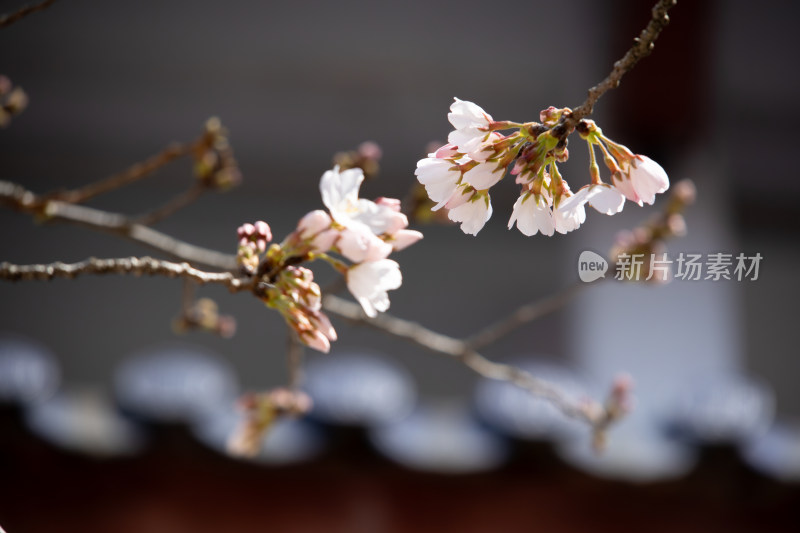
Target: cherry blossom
[532, 215]
[440, 178]
[471, 125]
[484, 175]
[358, 245]
[603, 197]
[648, 178]
[368, 282]
[568, 216]
[472, 209]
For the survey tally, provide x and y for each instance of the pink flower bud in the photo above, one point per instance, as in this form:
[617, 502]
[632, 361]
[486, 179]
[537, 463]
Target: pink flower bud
[446, 151]
[391, 203]
[262, 230]
[245, 230]
[316, 339]
[323, 325]
[324, 240]
[313, 223]
[404, 238]
[370, 150]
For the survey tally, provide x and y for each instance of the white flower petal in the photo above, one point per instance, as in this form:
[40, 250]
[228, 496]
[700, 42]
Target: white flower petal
[532, 215]
[484, 175]
[605, 199]
[379, 218]
[357, 243]
[465, 114]
[467, 139]
[472, 214]
[624, 185]
[648, 178]
[368, 282]
[568, 216]
[340, 191]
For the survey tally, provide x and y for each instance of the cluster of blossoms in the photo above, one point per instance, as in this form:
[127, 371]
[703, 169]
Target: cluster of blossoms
[363, 232]
[458, 176]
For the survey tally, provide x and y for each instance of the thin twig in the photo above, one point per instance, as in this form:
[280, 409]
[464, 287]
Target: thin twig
[11, 18]
[187, 297]
[521, 316]
[642, 47]
[136, 266]
[22, 199]
[294, 359]
[593, 414]
[184, 199]
[127, 176]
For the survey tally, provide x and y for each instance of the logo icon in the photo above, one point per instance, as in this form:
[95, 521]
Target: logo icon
[591, 266]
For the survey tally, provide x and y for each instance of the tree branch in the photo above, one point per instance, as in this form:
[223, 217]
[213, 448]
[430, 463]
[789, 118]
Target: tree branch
[642, 47]
[521, 316]
[597, 416]
[136, 266]
[184, 199]
[127, 176]
[11, 18]
[294, 359]
[22, 199]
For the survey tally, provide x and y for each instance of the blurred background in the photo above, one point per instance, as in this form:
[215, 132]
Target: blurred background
[110, 421]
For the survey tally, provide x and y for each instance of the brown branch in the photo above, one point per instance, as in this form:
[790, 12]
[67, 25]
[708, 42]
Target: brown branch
[597, 416]
[136, 266]
[294, 359]
[642, 47]
[11, 18]
[521, 316]
[128, 176]
[27, 201]
[184, 199]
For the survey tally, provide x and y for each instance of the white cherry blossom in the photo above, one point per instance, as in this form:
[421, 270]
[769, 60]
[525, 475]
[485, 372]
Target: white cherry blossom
[440, 178]
[603, 197]
[471, 125]
[358, 245]
[340, 195]
[648, 178]
[568, 216]
[532, 215]
[484, 175]
[473, 209]
[369, 281]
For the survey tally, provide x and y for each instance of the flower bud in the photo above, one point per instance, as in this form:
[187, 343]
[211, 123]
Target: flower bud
[404, 238]
[313, 223]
